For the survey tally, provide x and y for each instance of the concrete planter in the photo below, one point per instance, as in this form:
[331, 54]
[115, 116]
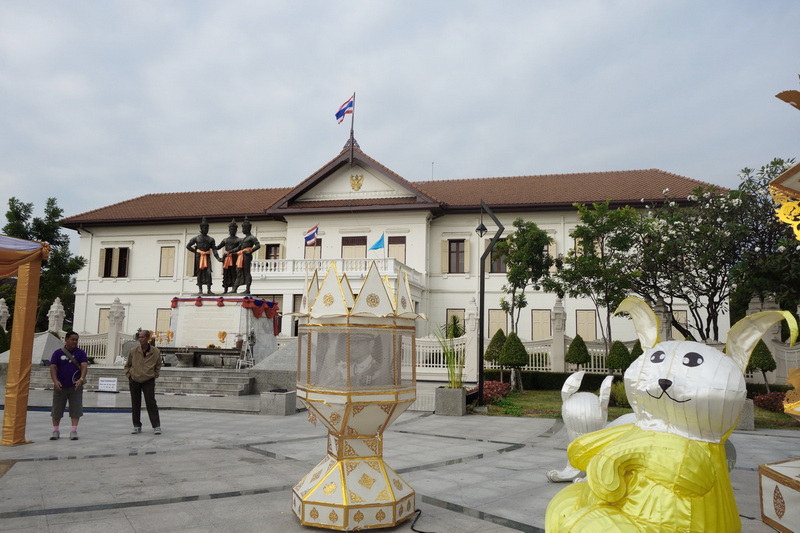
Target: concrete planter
[450, 402]
[280, 403]
[748, 420]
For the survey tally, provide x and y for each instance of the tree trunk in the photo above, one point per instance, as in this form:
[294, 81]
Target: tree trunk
[765, 380]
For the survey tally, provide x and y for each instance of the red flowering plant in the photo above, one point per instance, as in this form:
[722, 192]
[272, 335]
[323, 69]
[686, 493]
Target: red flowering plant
[771, 401]
[493, 391]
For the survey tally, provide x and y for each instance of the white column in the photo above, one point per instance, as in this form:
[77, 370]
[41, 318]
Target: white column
[558, 321]
[55, 316]
[116, 318]
[3, 314]
[471, 347]
[664, 320]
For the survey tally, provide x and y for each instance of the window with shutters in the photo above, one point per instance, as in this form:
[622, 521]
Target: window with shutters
[272, 251]
[540, 324]
[456, 256]
[586, 324]
[497, 320]
[497, 262]
[459, 314]
[102, 320]
[167, 267]
[314, 251]
[397, 248]
[114, 262]
[163, 317]
[354, 247]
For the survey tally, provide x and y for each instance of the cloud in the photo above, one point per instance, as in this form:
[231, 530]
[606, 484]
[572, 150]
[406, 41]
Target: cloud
[106, 101]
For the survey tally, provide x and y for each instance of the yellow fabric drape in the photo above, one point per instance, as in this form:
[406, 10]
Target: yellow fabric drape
[23, 258]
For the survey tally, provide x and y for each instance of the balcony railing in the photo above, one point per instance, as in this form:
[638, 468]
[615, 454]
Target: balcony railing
[354, 268]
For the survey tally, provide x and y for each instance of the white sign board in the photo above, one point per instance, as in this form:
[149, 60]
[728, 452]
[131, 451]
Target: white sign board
[107, 385]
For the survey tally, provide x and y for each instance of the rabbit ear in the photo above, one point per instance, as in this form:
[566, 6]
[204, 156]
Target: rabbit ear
[745, 334]
[644, 320]
[572, 385]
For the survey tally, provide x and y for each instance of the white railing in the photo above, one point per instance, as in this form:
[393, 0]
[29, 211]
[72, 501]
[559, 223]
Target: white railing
[354, 268]
[539, 359]
[95, 346]
[430, 354]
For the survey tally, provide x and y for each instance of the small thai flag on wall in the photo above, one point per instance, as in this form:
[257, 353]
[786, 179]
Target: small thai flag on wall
[311, 236]
[346, 109]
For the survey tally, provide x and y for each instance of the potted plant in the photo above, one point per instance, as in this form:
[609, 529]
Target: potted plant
[452, 399]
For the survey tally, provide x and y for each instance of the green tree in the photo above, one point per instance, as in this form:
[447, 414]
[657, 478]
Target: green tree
[770, 263]
[618, 358]
[525, 253]
[599, 267]
[577, 353]
[492, 353]
[761, 360]
[687, 250]
[515, 356]
[57, 277]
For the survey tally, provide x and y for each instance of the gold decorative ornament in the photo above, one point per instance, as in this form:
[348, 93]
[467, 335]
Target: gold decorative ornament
[356, 181]
[353, 378]
[366, 481]
[330, 488]
[778, 502]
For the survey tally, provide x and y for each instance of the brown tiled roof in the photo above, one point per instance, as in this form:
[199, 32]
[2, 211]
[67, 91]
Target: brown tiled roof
[530, 193]
[179, 206]
[551, 190]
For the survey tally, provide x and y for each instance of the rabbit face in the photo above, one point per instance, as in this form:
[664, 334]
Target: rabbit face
[687, 389]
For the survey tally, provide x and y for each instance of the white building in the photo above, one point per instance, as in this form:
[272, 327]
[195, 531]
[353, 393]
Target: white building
[136, 249]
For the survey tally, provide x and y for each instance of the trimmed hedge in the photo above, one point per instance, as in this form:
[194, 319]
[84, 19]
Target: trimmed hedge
[549, 380]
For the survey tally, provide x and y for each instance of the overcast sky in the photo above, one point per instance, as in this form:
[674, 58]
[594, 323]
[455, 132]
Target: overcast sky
[101, 101]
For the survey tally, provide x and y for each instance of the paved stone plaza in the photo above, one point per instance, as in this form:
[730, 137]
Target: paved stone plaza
[219, 467]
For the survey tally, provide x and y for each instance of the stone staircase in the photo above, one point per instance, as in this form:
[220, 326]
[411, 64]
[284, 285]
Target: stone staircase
[170, 381]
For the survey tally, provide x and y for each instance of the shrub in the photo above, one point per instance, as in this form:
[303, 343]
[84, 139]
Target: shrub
[771, 401]
[514, 355]
[636, 351]
[5, 340]
[619, 358]
[492, 353]
[494, 390]
[761, 361]
[578, 354]
[619, 398]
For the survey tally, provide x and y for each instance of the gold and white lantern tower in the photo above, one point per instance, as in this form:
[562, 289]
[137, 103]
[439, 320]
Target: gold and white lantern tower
[356, 374]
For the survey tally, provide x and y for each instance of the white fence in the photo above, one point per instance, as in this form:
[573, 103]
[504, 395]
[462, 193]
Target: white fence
[95, 346]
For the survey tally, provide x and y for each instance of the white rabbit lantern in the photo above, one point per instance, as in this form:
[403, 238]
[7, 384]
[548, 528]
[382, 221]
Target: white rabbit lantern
[667, 472]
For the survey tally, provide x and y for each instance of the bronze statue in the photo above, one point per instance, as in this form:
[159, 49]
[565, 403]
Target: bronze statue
[231, 244]
[203, 246]
[246, 249]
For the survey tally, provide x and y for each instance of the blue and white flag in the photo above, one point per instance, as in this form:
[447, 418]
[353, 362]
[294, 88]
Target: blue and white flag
[311, 236]
[378, 244]
[346, 109]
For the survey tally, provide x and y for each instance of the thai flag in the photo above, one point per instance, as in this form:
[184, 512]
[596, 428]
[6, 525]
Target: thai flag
[346, 109]
[311, 236]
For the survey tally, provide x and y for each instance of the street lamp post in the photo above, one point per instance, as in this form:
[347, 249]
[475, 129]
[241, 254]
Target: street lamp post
[481, 231]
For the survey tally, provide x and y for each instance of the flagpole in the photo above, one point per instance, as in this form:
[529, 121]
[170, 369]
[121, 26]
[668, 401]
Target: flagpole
[352, 121]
